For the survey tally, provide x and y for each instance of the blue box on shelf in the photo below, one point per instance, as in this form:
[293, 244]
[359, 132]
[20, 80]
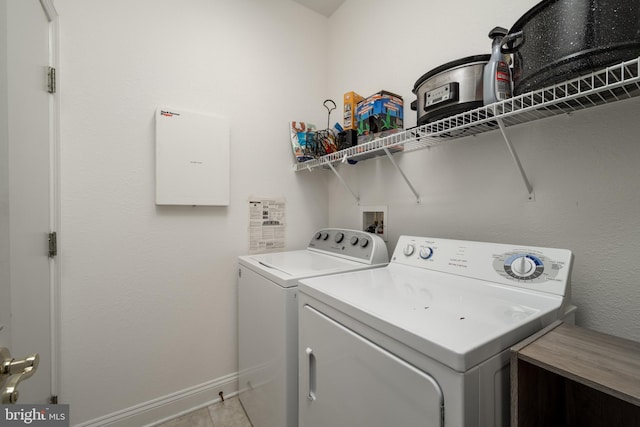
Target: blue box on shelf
[383, 111]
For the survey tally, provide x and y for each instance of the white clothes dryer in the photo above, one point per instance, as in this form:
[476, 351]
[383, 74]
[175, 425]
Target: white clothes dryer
[425, 340]
[268, 316]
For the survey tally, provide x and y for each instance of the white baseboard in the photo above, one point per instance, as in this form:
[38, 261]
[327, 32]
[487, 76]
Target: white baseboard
[164, 408]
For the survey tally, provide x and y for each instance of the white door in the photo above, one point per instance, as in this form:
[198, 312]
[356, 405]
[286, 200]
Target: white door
[346, 381]
[26, 214]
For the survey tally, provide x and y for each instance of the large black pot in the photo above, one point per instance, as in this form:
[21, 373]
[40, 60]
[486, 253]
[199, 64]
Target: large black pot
[560, 39]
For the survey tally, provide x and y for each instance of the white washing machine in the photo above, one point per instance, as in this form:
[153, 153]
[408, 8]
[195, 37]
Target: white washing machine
[268, 317]
[425, 340]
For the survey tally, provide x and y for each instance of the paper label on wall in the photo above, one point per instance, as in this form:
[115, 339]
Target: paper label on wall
[266, 225]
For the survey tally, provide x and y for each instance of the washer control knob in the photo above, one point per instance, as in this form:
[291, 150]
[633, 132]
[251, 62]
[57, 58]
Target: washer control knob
[339, 237]
[364, 242]
[317, 236]
[409, 249]
[325, 236]
[426, 252]
[523, 266]
[354, 240]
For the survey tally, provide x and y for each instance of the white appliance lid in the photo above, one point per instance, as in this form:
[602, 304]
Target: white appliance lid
[455, 320]
[287, 267]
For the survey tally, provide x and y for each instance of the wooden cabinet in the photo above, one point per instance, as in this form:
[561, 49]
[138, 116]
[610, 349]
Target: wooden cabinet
[570, 376]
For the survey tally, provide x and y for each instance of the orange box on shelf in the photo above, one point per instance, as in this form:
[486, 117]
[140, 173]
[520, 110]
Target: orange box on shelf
[351, 100]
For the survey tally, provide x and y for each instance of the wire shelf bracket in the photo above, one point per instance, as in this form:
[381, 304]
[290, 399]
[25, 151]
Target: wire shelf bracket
[516, 159]
[344, 184]
[411, 187]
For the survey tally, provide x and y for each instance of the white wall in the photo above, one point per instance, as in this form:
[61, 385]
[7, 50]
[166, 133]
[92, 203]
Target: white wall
[149, 292]
[584, 167]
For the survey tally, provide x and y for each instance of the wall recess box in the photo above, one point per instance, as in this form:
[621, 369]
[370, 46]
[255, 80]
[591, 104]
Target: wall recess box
[192, 158]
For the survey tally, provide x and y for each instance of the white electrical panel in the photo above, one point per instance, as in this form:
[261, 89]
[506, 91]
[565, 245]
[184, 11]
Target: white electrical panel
[192, 158]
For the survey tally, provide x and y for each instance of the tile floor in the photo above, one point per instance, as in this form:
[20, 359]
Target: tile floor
[223, 414]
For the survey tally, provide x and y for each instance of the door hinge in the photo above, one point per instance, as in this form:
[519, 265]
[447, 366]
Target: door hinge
[53, 400]
[51, 78]
[53, 244]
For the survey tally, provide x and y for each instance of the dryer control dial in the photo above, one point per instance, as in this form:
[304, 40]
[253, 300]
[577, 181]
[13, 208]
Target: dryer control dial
[524, 266]
[426, 252]
[354, 240]
[364, 242]
[339, 237]
[409, 249]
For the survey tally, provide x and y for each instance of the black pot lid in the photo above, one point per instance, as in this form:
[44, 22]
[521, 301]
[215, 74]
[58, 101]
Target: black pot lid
[530, 14]
[451, 65]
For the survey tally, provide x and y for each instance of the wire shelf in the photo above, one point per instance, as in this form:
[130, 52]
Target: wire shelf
[605, 86]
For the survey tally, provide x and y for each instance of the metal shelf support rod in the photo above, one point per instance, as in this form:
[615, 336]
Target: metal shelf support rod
[411, 187]
[344, 184]
[516, 159]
